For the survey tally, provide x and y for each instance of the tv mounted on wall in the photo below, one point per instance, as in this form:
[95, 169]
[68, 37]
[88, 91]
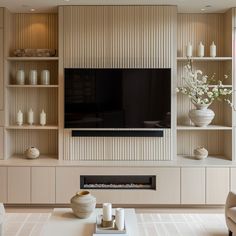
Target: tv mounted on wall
[117, 98]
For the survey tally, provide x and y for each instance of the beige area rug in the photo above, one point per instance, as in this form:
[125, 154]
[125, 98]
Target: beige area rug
[31, 224]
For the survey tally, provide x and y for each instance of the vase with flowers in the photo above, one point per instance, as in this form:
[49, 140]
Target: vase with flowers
[202, 91]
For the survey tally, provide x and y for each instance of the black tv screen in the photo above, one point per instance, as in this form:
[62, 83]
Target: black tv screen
[117, 98]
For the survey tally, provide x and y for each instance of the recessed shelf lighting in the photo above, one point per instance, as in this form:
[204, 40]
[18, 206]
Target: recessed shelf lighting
[203, 9]
[32, 9]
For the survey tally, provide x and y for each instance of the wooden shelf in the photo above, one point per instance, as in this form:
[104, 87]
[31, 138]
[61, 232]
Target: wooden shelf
[209, 127]
[33, 127]
[32, 58]
[205, 58]
[180, 161]
[31, 86]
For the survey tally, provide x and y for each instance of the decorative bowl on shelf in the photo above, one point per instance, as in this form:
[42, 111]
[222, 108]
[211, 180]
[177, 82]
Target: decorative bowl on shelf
[32, 153]
[200, 153]
[29, 52]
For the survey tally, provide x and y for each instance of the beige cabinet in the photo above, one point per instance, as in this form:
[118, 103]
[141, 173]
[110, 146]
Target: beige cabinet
[168, 186]
[19, 184]
[43, 185]
[233, 179]
[192, 185]
[67, 183]
[217, 185]
[1, 70]
[3, 184]
[1, 143]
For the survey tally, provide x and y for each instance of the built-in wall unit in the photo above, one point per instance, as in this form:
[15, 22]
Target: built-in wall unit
[100, 53]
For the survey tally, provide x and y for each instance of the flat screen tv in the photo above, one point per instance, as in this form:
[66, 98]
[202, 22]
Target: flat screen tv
[117, 98]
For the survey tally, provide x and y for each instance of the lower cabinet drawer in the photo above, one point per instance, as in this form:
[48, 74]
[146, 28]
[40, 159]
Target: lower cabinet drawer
[19, 185]
[193, 185]
[43, 185]
[217, 185]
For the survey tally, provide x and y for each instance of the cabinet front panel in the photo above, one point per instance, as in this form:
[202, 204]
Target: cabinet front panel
[217, 185]
[233, 179]
[193, 186]
[67, 183]
[43, 184]
[1, 143]
[3, 184]
[19, 185]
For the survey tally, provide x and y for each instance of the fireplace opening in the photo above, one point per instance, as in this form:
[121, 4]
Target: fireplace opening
[118, 182]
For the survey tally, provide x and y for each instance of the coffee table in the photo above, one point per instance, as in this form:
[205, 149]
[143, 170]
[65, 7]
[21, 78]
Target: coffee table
[63, 223]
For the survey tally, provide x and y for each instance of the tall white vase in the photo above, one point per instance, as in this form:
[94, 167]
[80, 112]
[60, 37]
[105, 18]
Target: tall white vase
[201, 116]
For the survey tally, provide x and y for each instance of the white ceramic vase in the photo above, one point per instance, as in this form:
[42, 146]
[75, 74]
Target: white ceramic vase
[83, 204]
[32, 153]
[200, 153]
[201, 116]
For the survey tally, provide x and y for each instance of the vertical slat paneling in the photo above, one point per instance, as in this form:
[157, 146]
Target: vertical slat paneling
[213, 141]
[119, 37]
[117, 148]
[44, 140]
[35, 31]
[25, 98]
[194, 28]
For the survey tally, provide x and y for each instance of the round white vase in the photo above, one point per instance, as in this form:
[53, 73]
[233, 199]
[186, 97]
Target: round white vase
[201, 116]
[83, 204]
[32, 153]
[200, 153]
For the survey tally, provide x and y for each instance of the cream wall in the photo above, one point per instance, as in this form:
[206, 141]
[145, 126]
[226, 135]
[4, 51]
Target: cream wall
[118, 36]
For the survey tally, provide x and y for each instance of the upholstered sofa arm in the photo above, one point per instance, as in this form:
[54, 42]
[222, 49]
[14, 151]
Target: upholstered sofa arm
[231, 200]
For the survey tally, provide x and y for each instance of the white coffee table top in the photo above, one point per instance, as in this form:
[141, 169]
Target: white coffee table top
[64, 223]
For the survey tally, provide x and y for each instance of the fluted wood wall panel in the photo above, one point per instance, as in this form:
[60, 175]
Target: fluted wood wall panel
[194, 28]
[25, 98]
[223, 113]
[216, 142]
[34, 31]
[52, 66]
[19, 140]
[119, 37]
[117, 148]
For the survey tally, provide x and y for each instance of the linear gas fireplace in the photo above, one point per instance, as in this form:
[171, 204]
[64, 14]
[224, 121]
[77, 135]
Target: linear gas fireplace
[118, 182]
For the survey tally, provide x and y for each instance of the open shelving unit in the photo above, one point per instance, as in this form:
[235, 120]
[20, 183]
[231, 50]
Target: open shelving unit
[31, 31]
[218, 137]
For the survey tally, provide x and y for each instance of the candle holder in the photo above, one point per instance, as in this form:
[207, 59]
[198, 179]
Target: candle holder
[108, 223]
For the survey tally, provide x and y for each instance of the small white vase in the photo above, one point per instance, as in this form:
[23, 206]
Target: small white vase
[32, 153]
[200, 153]
[201, 116]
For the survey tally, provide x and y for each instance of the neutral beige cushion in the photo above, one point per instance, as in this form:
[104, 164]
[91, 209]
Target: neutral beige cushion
[231, 213]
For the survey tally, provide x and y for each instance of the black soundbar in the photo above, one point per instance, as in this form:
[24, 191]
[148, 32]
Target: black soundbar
[117, 133]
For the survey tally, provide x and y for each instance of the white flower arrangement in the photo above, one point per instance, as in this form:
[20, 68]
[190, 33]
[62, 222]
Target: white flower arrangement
[198, 87]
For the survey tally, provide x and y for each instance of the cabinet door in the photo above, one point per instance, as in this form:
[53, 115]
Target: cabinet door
[43, 185]
[1, 143]
[233, 180]
[67, 183]
[217, 185]
[1, 71]
[193, 185]
[18, 184]
[168, 186]
[3, 184]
